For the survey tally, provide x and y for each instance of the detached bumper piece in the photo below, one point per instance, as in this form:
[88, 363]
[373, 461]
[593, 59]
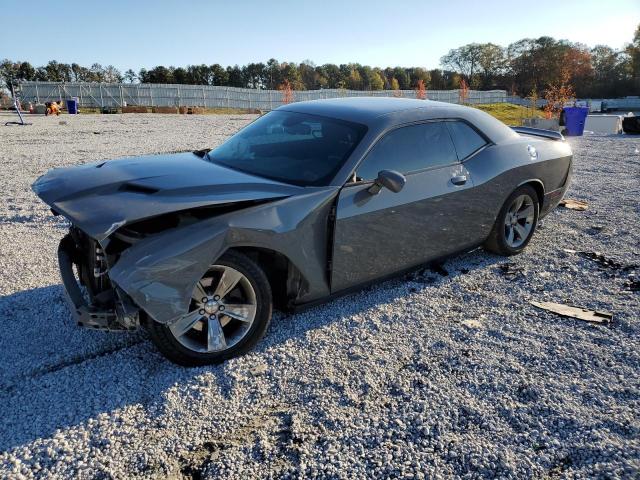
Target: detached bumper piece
[117, 314]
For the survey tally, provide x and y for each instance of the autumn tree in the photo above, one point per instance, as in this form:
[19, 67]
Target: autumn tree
[558, 93]
[421, 91]
[378, 80]
[287, 92]
[577, 63]
[463, 92]
[354, 82]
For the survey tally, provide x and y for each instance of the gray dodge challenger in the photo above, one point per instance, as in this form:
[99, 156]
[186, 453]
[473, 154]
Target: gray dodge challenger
[310, 201]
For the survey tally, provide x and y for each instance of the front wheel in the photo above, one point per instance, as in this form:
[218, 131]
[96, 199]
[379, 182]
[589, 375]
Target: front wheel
[516, 223]
[229, 312]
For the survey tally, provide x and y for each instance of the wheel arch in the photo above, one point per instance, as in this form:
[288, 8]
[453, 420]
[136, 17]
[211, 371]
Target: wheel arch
[538, 186]
[285, 279]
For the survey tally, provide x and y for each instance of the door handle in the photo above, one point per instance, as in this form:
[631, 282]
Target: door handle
[459, 179]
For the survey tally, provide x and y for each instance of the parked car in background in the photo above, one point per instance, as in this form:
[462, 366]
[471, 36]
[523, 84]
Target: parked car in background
[309, 201]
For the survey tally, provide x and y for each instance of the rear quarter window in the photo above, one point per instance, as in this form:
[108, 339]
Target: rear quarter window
[409, 149]
[466, 139]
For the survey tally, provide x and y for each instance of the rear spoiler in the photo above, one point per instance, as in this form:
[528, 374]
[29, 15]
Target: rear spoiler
[539, 132]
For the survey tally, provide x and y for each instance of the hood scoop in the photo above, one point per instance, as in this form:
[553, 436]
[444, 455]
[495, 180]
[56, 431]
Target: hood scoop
[137, 188]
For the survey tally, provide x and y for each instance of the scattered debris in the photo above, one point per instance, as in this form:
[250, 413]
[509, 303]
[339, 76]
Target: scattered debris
[258, 370]
[633, 285]
[575, 312]
[605, 262]
[578, 205]
[472, 323]
[602, 260]
[511, 269]
[97, 133]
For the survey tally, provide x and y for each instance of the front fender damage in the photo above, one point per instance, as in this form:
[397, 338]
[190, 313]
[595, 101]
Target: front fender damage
[160, 272]
[156, 272]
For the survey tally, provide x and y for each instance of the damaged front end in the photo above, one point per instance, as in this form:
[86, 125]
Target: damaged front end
[90, 271]
[95, 302]
[130, 254]
[145, 230]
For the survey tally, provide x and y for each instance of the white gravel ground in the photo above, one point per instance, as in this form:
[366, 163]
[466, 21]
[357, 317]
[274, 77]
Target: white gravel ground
[429, 376]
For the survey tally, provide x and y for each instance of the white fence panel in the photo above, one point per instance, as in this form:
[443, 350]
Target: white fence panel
[213, 96]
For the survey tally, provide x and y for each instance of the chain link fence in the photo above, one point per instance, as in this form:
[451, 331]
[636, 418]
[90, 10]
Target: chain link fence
[211, 96]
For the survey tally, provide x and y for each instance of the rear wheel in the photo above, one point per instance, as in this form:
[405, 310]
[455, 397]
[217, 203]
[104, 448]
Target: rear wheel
[516, 223]
[229, 312]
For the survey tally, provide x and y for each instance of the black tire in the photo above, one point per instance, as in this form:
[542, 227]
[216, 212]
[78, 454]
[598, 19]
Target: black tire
[497, 241]
[171, 348]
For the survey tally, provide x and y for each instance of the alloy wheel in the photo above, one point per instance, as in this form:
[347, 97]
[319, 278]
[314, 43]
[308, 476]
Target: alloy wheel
[518, 222]
[222, 310]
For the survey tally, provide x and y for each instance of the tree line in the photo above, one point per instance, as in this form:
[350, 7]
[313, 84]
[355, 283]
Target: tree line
[526, 67]
[531, 66]
[269, 75]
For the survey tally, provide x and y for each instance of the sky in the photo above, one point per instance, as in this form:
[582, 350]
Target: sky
[144, 33]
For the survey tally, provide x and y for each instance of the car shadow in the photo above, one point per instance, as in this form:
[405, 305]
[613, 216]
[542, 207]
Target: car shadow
[56, 375]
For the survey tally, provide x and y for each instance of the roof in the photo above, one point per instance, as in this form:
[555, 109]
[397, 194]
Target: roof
[382, 113]
[363, 109]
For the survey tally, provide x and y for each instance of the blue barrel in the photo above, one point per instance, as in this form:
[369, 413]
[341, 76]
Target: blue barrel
[575, 118]
[72, 106]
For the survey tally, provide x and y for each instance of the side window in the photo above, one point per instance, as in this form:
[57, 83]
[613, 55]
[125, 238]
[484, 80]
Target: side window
[408, 149]
[465, 138]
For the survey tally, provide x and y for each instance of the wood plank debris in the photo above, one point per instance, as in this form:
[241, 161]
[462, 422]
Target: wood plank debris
[578, 205]
[587, 315]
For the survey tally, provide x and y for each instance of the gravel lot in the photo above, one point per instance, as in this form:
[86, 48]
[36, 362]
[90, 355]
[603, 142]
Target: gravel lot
[426, 376]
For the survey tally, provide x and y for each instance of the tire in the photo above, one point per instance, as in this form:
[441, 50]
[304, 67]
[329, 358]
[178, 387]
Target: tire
[219, 333]
[507, 238]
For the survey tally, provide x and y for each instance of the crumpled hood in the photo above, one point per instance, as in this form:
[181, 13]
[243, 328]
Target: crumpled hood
[100, 197]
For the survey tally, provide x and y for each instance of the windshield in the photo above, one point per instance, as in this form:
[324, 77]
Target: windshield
[291, 147]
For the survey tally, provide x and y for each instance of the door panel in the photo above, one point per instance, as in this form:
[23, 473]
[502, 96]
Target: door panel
[377, 235]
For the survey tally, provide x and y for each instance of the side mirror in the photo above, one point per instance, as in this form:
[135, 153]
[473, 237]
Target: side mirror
[389, 179]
